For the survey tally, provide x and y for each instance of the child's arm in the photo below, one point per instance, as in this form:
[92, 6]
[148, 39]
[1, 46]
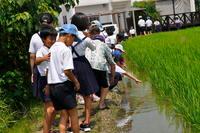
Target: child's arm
[39, 60]
[72, 78]
[132, 77]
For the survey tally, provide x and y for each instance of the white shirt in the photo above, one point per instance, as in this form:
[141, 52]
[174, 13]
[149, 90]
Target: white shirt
[177, 21]
[119, 69]
[141, 23]
[87, 43]
[35, 43]
[61, 59]
[156, 23]
[43, 66]
[132, 31]
[111, 40]
[149, 23]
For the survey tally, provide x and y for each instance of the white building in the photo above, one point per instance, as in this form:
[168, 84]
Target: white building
[98, 7]
[165, 7]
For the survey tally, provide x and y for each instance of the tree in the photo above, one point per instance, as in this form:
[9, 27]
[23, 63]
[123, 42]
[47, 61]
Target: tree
[150, 8]
[18, 21]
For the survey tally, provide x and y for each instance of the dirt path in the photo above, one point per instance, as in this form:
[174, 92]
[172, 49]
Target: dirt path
[103, 121]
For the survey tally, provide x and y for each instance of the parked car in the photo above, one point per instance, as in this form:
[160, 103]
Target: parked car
[111, 27]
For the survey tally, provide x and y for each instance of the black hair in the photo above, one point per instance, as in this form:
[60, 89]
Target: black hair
[47, 30]
[121, 36]
[110, 30]
[80, 20]
[46, 18]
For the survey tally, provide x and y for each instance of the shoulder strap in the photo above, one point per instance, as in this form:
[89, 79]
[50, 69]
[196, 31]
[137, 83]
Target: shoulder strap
[73, 47]
[79, 42]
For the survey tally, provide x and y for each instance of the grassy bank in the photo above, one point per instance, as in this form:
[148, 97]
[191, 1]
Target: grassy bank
[171, 61]
[101, 121]
[30, 122]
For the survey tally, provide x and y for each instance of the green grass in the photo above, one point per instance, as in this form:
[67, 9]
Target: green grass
[6, 116]
[171, 60]
[30, 122]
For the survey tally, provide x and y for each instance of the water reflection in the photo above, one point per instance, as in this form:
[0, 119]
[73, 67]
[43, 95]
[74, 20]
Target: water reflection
[142, 111]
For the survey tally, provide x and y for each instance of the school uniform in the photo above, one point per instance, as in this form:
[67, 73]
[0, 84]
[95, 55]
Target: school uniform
[149, 24]
[111, 41]
[35, 44]
[82, 68]
[157, 26]
[62, 91]
[42, 72]
[141, 24]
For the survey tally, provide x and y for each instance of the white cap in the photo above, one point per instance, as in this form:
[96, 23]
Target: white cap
[140, 16]
[98, 24]
[120, 47]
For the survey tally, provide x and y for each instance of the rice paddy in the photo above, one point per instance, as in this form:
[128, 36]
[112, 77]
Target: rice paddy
[171, 61]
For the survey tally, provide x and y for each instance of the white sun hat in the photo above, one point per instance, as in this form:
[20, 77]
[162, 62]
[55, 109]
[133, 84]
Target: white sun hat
[120, 47]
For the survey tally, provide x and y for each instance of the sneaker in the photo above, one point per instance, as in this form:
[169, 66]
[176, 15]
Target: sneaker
[85, 127]
[95, 98]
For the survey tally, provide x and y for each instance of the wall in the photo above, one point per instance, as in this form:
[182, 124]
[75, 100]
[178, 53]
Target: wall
[91, 2]
[95, 9]
[165, 6]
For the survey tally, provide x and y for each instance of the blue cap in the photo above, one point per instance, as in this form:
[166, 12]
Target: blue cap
[70, 29]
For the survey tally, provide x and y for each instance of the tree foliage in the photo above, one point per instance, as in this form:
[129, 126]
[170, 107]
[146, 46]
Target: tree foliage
[150, 7]
[18, 21]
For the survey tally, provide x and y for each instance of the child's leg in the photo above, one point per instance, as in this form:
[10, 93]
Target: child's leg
[104, 92]
[88, 104]
[49, 111]
[46, 128]
[63, 121]
[49, 114]
[73, 114]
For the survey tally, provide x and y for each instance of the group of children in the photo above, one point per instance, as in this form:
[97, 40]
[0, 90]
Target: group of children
[146, 27]
[73, 61]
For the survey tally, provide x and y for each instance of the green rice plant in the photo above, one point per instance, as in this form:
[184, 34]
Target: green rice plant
[172, 62]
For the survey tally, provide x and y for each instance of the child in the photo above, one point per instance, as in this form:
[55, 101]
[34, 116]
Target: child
[35, 44]
[61, 80]
[82, 67]
[118, 51]
[119, 73]
[111, 38]
[101, 60]
[48, 35]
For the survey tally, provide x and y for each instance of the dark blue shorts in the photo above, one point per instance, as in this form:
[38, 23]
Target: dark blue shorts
[42, 82]
[118, 77]
[63, 95]
[38, 85]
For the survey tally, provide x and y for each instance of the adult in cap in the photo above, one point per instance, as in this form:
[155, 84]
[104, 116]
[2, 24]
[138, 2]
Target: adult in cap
[99, 25]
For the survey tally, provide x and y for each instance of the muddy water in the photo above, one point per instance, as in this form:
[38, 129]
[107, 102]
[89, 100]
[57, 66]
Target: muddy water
[141, 112]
